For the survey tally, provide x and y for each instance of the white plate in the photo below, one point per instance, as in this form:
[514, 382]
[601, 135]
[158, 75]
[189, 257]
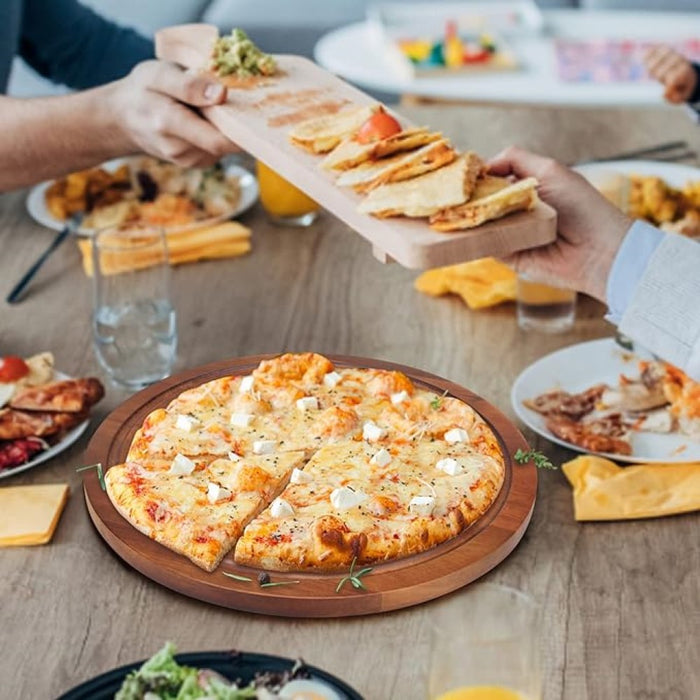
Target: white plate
[674, 174]
[68, 439]
[579, 367]
[36, 199]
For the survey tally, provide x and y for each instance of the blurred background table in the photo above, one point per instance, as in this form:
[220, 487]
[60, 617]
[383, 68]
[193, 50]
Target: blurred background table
[356, 53]
[621, 600]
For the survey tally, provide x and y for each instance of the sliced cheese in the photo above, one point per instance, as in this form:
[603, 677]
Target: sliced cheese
[399, 397]
[241, 420]
[381, 458]
[345, 497]
[299, 477]
[372, 432]
[421, 505]
[181, 466]
[331, 379]
[307, 403]
[449, 466]
[456, 435]
[264, 447]
[29, 514]
[186, 423]
[246, 385]
[279, 508]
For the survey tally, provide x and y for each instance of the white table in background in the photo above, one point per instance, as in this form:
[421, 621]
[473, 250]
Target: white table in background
[355, 53]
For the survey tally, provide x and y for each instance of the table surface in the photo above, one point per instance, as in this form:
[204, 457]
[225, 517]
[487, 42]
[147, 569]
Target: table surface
[357, 53]
[621, 600]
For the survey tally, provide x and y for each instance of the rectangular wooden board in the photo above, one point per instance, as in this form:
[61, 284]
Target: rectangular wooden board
[259, 115]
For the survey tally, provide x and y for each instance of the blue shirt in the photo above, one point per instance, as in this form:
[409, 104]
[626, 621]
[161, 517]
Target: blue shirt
[67, 43]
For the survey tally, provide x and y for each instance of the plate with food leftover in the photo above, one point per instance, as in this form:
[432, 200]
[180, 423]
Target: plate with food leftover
[600, 398]
[42, 411]
[304, 485]
[404, 188]
[141, 190]
[214, 674]
[666, 195]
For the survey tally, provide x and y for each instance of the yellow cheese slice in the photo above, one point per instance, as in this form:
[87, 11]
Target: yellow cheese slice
[29, 514]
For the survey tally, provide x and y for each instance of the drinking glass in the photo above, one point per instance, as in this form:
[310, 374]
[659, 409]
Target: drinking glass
[541, 307]
[134, 326]
[485, 646]
[284, 203]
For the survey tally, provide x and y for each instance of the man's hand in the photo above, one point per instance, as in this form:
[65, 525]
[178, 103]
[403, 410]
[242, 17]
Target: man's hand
[153, 112]
[590, 229]
[673, 71]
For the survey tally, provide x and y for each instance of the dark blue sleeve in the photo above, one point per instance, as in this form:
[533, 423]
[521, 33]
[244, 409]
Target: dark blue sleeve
[70, 44]
[695, 97]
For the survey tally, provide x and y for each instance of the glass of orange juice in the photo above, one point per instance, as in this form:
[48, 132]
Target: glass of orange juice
[485, 646]
[284, 203]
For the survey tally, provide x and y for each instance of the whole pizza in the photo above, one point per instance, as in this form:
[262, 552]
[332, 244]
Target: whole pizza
[302, 465]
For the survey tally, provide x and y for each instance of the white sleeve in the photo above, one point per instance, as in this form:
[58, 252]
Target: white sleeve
[663, 313]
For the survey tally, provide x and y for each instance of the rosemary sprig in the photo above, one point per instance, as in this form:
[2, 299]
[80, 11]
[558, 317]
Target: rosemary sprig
[354, 577]
[100, 473]
[236, 577]
[540, 460]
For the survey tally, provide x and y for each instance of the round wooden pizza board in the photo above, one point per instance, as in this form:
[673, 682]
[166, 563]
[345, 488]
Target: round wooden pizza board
[389, 586]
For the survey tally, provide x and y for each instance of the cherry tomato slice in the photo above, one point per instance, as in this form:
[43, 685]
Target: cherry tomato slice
[13, 368]
[379, 126]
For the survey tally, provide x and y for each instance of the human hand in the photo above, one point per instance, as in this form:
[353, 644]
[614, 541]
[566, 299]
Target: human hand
[589, 228]
[152, 111]
[673, 71]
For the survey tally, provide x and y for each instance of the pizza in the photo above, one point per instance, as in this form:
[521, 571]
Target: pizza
[302, 465]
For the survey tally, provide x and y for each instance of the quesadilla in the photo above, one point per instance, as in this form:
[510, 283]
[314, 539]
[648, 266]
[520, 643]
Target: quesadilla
[324, 133]
[403, 166]
[351, 153]
[493, 198]
[425, 195]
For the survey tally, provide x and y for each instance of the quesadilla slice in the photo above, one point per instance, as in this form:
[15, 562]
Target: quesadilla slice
[425, 195]
[351, 153]
[493, 198]
[324, 133]
[403, 166]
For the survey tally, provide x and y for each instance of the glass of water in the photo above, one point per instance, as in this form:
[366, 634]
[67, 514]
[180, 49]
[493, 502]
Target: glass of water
[134, 327]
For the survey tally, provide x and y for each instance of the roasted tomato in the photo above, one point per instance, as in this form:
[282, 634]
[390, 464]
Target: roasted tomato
[13, 368]
[379, 126]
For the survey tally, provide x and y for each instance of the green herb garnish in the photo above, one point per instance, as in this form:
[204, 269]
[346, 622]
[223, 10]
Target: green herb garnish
[436, 403]
[236, 577]
[100, 473]
[270, 584]
[540, 460]
[354, 577]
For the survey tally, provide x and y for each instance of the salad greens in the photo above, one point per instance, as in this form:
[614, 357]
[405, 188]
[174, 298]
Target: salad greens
[163, 678]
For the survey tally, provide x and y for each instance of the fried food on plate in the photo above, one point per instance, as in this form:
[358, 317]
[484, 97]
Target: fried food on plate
[16, 424]
[491, 199]
[324, 133]
[69, 395]
[427, 194]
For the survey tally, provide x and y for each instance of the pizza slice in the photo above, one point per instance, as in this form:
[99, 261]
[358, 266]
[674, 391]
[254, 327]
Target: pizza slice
[67, 396]
[609, 433]
[16, 424]
[198, 511]
[324, 133]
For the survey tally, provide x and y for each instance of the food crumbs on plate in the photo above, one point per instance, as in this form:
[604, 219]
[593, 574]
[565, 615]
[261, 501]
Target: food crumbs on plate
[29, 514]
[313, 110]
[679, 449]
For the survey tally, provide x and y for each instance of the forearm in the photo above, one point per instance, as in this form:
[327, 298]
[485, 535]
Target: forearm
[44, 137]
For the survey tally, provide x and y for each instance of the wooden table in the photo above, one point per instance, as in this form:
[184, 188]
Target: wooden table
[621, 600]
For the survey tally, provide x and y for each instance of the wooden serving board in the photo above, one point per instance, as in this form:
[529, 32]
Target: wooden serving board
[259, 115]
[393, 585]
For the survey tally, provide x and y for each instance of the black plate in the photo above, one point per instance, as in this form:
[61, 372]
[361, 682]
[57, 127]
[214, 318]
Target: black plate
[231, 664]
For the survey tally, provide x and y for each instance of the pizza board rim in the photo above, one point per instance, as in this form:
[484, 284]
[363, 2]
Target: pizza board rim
[390, 586]
[410, 242]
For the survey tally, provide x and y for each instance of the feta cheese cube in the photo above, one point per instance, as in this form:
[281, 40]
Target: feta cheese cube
[421, 505]
[456, 435]
[399, 397]
[246, 385]
[181, 466]
[299, 477]
[233, 457]
[241, 420]
[331, 379]
[307, 403]
[186, 423]
[279, 508]
[372, 432]
[216, 493]
[449, 466]
[345, 497]
[381, 458]
[264, 447]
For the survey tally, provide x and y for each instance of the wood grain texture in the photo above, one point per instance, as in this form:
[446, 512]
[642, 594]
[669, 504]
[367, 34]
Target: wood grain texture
[390, 586]
[620, 600]
[249, 119]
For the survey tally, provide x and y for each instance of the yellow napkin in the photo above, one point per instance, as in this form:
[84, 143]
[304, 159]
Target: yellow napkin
[29, 514]
[481, 283]
[225, 240]
[604, 491]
